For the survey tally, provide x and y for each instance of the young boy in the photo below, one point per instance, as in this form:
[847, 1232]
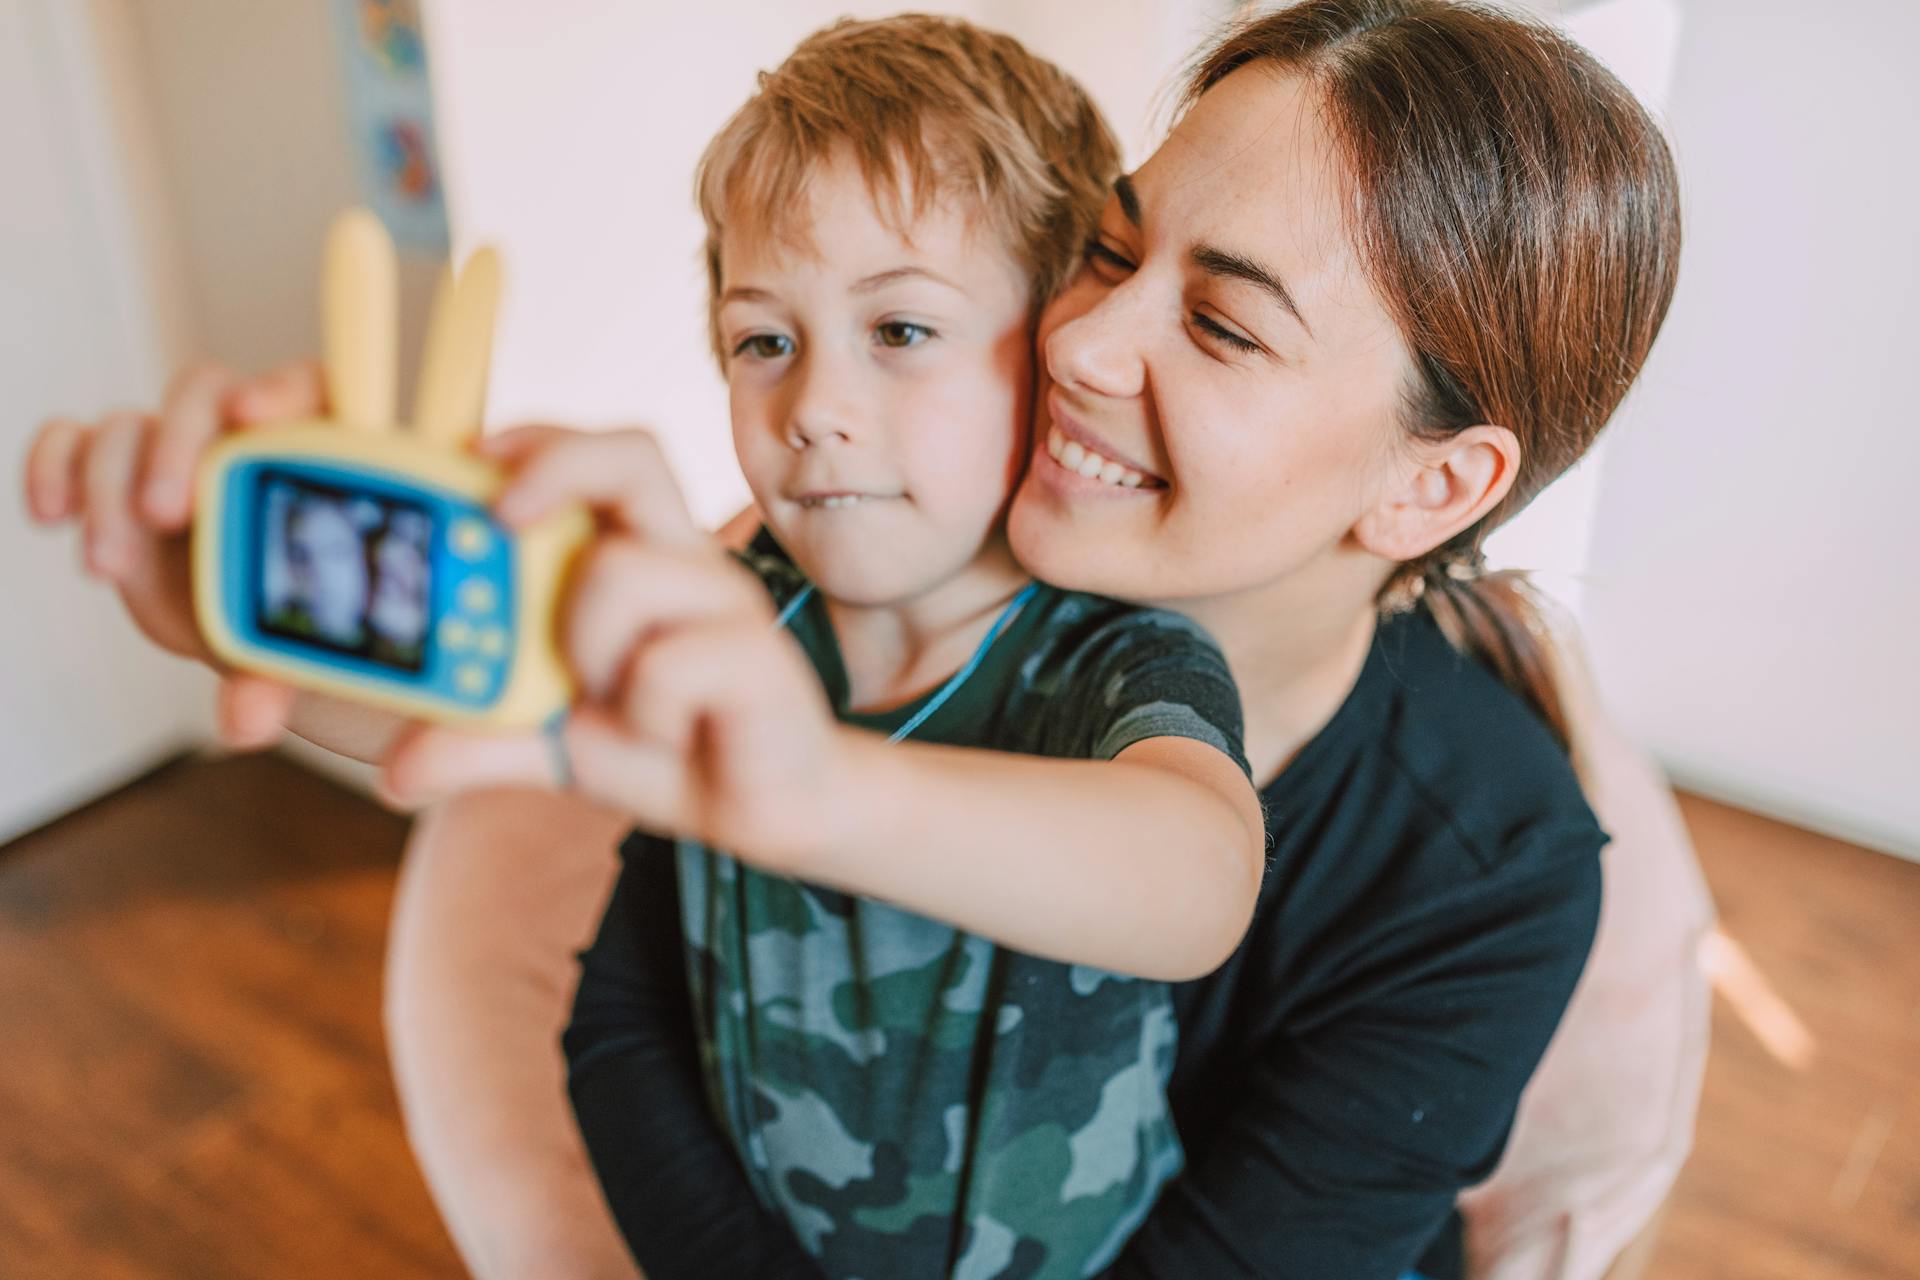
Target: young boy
[884, 218]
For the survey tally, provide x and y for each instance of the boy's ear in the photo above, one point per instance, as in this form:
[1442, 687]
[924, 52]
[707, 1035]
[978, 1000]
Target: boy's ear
[1442, 488]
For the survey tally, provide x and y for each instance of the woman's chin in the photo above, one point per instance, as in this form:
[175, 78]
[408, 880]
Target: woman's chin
[1057, 543]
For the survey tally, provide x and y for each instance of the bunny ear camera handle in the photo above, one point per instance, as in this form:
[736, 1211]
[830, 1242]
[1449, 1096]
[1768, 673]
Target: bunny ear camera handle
[358, 557]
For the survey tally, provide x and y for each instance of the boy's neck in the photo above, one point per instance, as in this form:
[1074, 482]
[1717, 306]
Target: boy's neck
[898, 651]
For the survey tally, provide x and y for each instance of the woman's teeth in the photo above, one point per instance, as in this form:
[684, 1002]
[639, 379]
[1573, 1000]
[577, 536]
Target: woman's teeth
[1075, 456]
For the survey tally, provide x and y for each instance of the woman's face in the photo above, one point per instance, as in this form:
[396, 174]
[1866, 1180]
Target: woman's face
[1223, 342]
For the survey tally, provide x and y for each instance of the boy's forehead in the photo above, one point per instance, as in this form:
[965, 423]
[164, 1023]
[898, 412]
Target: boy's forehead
[840, 224]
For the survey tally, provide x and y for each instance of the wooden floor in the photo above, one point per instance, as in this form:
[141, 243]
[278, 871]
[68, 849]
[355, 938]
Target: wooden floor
[193, 1082]
[192, 1075]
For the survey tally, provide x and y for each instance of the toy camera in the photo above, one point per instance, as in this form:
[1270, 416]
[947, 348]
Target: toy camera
[358, 558]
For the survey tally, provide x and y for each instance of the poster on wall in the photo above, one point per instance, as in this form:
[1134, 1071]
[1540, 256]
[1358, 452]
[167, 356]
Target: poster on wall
[390, 119]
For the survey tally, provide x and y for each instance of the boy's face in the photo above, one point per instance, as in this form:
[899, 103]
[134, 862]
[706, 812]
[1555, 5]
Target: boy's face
[880, 390]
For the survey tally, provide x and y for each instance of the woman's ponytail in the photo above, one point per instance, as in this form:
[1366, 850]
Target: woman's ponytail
[1495, 617]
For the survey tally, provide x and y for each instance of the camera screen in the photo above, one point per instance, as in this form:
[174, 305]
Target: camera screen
[345, 571]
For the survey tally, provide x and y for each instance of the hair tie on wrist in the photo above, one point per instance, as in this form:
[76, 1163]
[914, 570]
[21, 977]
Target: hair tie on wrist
[555, 732]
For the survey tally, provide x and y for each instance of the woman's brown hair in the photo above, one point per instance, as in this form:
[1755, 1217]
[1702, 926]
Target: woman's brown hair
[1519, 214]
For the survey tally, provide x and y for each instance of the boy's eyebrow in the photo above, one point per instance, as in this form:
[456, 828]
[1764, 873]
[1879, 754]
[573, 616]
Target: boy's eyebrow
[881, 279]
[1129, 198]
[1236, 266]
[744, 293]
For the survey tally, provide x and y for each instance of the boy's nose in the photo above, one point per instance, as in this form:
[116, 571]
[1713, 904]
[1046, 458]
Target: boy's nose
[821, 410]
[804, 433]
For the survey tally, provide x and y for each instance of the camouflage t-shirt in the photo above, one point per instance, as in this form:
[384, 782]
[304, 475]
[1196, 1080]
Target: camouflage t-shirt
[918, 1101]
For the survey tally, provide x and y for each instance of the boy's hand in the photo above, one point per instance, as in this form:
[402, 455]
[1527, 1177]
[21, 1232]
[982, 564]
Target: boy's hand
[694, 715]
[128, 481]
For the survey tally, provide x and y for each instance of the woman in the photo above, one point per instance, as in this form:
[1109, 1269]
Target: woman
[1387, 278]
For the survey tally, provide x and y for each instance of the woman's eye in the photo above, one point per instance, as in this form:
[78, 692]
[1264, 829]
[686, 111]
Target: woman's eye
[764, 346]
[901, 333]
[1106, 261]
[1220, 333]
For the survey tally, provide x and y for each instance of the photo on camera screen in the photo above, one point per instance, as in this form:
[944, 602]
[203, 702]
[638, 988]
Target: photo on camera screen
[347, 572]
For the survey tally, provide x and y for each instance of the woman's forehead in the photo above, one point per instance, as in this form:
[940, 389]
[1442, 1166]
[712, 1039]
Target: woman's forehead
[1255, 170]
[1256, 156]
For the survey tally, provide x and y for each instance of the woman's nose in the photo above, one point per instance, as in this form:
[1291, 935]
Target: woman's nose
[1100, 349]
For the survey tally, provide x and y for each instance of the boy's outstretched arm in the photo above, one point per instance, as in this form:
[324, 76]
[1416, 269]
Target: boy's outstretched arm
[700, 719]
[1147, 864]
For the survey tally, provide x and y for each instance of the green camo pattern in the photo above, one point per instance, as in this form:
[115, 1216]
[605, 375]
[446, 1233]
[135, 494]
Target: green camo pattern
[915, 1100]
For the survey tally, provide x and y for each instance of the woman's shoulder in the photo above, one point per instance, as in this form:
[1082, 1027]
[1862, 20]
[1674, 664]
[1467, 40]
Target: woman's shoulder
[1448, 768]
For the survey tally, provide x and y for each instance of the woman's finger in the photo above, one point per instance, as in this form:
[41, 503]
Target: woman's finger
[623, 474]
[293, 391]
[513, 443]
[626, 589]
[55, 462]
[190, 417]
[253, 711]
[113, 530]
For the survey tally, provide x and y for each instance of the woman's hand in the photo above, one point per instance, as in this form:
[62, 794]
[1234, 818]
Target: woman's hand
[128, 481]
[693, 715]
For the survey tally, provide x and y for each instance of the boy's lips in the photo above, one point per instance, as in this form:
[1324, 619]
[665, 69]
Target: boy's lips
[837, 498]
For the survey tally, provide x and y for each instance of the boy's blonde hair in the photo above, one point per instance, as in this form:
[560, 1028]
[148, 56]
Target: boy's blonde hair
[928, 108]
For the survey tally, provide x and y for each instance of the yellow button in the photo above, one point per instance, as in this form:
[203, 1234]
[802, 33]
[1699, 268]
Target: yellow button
[477, 596]
[493, 642]
[471, 678]
[470, 538]
[455, 634]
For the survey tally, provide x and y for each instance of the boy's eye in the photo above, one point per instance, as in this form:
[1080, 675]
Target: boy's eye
[1107, 263]
[901, 333]
[764, 346]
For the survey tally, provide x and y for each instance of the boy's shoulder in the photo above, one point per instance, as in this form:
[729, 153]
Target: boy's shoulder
[771, 564]
[1098, 674]
[1081, 627]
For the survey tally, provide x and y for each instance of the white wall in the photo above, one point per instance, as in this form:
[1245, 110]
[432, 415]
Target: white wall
[249, 114]
[569, 132]
[90, 319]
[1754, 597]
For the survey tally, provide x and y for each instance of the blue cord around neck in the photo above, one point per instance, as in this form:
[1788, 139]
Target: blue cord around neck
[958, 678]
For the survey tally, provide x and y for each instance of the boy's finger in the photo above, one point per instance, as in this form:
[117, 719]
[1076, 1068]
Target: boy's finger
[112, 530]
[429, 762]
[190, 417]
[626, 589]
[622, 473]
[253, 711]
[296, 390]
[54, 463]
[722, 674]
[644, 781]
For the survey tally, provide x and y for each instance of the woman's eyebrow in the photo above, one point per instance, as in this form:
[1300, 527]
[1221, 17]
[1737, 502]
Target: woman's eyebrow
[1236, 266]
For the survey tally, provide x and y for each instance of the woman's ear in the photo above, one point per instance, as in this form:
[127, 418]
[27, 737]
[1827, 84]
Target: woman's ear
[1443, 487]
